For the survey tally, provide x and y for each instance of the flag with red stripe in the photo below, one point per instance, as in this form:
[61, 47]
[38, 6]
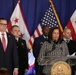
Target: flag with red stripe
[17, 19]
[50, 19]
[72, 25]
[37, 33]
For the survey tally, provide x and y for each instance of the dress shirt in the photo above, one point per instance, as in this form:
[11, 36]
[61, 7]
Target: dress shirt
[66, 40]
[5, 36]
[45, 37]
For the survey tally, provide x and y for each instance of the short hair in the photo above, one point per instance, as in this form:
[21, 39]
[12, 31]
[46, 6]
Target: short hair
[4, 71]
[67, 29]
[2, 19]
[45, 26]
[14, 26]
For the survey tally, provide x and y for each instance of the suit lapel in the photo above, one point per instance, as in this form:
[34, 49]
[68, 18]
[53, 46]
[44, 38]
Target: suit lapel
[8, 42]
[1, 47]
[0, 42]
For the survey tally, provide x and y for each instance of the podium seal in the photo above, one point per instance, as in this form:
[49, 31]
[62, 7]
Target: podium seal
[61, 68]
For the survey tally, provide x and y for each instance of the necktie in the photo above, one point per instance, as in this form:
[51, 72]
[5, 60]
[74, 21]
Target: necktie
[3, 42]
[67, 41]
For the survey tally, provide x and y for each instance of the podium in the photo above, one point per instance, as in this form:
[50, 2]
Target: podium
[60, 65]
[50, 60]
[71, 60]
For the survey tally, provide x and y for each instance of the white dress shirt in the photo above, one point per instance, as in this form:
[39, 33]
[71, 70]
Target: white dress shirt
[45, 37]
[66, 40]
[5, 36]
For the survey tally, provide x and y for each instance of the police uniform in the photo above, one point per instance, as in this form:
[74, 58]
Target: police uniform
[23, 55]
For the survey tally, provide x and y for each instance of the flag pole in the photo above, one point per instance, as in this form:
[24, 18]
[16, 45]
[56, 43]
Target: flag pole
[56, 15]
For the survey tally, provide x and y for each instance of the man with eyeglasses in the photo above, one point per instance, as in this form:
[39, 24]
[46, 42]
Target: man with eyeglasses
[8, 51]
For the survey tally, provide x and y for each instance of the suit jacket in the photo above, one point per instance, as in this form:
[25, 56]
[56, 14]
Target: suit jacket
[10, 56]
[71, 46]
[23, 55]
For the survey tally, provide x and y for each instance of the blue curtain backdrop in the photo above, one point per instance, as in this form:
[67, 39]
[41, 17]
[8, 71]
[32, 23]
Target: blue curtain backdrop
[33, 10]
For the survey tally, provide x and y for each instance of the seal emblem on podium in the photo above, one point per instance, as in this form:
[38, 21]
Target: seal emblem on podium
[61, 68]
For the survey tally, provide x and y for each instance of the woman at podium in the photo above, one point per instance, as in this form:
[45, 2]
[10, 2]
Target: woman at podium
[52, 50]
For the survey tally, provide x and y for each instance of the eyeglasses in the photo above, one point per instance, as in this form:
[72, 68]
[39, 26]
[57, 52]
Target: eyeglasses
[3, 24]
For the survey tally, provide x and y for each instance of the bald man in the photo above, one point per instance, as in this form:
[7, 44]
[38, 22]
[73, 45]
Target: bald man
[70, 43]
[67, 38]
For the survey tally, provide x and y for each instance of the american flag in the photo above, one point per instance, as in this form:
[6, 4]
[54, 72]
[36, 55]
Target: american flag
[50, 18]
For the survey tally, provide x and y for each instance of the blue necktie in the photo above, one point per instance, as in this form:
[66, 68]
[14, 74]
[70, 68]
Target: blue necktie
[67, 41]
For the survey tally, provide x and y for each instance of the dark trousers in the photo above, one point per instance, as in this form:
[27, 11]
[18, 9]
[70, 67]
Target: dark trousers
[21, 70]
[39, 69]
[73, 70]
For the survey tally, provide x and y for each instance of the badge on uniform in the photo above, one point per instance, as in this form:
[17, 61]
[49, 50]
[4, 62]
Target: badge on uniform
[22, 44]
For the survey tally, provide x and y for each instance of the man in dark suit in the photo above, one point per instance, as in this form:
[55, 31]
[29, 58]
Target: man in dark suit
[22, 50]
[8, 50]
[70, 43]
[36, 48]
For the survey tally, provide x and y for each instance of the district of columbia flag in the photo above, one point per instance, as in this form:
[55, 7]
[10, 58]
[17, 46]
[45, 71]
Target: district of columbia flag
[17, 19]
[72, 25]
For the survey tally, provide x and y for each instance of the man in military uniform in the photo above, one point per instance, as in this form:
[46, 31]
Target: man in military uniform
[36, 48]
[22, 50]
